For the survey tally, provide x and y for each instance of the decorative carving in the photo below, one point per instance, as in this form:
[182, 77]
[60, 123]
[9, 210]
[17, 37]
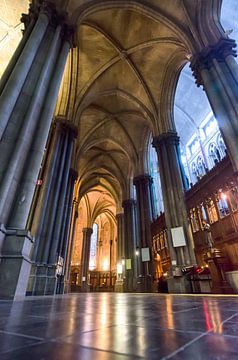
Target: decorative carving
[55, 18]
[204, 60]
[169, 138]
[144, 179]
[128, 203]
[65, 125]
[67, 34]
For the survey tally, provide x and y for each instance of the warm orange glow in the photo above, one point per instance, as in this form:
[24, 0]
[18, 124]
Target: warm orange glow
[105, 265]
[92, 265]
[223, 196]
[169, 312]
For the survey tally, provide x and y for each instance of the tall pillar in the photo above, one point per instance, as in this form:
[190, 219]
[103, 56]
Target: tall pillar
[120, 237]
[215, 68]
[29, 91]
[70, 247]
[52, 215]
[145, 207]
[87, 233]
[167, 147]
[64, 248]
[130, 241]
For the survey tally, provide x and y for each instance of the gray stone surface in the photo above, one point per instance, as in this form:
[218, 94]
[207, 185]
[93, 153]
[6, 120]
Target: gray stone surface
[119, 326]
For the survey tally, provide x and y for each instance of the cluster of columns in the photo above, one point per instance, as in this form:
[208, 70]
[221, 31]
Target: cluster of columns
[217, 71]
[29, 90]
[87, 233]
[133, 235]
[52, 214]
[136, 242]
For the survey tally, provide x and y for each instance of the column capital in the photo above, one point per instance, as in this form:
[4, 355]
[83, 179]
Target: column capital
[144, 179]
[169, 138]
[67, 34]
[204, 60]
[55, 17]
[119, 216]
[73, 173]
[128, 203]
[65, 125]
[87, 231]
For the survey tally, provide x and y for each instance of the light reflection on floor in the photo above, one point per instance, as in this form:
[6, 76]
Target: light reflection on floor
[119, 326]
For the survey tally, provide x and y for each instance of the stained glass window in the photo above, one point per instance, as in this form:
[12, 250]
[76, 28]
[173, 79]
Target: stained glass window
[154, 170]
[93, 248]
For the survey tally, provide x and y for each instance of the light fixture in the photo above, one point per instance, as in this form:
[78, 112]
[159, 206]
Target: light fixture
[137, 251]
[119, 268]
[223, 196]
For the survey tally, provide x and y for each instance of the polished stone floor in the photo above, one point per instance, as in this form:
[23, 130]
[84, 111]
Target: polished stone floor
[107, 326]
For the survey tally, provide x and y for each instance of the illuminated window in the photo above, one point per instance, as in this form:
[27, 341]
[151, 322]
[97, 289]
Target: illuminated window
[154, 171]
[222, 204]
[93, 248]
[233, 196]
[194, 147]
[211, 210]
[194, 220]
[211, 127]
[214, 154]
[221, 146]
[200, 166]
[203, 213]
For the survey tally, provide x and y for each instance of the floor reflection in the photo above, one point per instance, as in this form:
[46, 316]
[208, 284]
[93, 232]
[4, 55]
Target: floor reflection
[119, 326]
[212, 316]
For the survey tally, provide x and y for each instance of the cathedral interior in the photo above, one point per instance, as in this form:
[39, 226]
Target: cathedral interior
[118, 179]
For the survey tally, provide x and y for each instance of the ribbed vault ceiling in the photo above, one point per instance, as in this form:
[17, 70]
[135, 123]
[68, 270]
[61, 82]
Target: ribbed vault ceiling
[120, 81]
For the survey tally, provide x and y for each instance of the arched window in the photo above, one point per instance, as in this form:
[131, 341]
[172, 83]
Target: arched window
[154, 171]
[194, 169]
[221, 146]
[93, 248]
[222, 204]
[200, 166]
[194, 220]
[211, 210]
[214, 154]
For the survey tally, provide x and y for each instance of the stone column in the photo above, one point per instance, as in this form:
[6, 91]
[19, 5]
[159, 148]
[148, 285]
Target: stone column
[64, 241]
[120, 251]
[87, 232]
[167, 147]
[145, 206]
[216, 70]
[51, 219]
[29, 91]
[120, 237]
[70, 247]
[130, 240]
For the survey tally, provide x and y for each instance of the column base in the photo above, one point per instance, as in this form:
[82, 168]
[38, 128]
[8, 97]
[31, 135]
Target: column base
[60, 284]
[144, 284]
[129, 281]
[119, 285]
[15, 263]
[216, 261]
[42, 281]
[177, 282]
[85, 287]
[67, 287]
